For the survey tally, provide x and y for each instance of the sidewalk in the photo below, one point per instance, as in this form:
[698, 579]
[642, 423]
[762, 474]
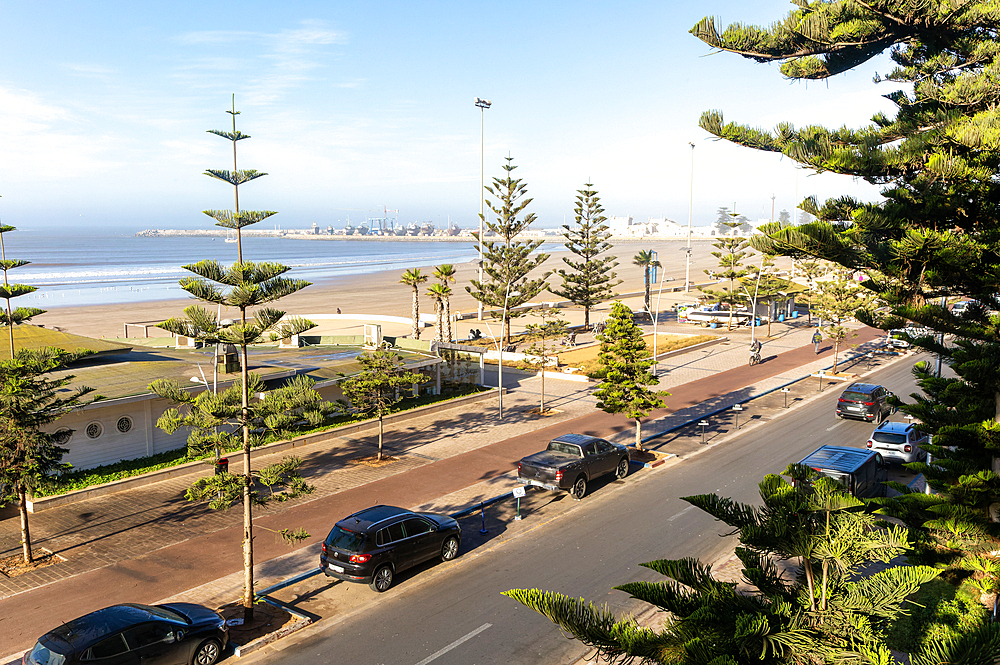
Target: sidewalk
[148, 544]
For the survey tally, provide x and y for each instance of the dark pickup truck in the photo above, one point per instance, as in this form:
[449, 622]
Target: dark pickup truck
[571, 461]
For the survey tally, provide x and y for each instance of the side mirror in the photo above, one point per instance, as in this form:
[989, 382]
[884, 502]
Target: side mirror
[170, 638]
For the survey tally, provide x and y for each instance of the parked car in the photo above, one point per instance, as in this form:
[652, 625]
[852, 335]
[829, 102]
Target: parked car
[862, 472]
[866, 401]
[571, 461]
[961, 306]
[171, 634]
[373, 545]
[898, 442]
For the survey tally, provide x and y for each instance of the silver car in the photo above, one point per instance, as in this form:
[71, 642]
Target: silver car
[898, 442]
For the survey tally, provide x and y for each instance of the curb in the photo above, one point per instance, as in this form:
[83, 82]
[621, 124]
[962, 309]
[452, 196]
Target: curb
[301, 621]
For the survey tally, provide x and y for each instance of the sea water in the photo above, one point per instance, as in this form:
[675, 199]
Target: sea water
[81, 267]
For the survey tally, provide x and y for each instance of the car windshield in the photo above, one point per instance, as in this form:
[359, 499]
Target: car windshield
[44, 655]
[564, 448]
[886, 437]
[856, 396]
[344, 540]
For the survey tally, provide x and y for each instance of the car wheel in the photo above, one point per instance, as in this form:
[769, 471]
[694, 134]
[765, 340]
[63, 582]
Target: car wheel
[382, 579]
[449, 550]
[208, 652]
[579, 488]
[622, 469]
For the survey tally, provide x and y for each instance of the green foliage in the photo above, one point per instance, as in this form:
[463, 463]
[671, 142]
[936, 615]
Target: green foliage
[934, 234]
[414, 278]
[936, 614]
[552, 328]
[223, 490]
[508, 262]
[645, 260]
[834, 614]
[627, 361]
[591, 279]
[8, 291]
[379, 385]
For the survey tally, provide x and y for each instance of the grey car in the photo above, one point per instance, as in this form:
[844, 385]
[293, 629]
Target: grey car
[866, 401]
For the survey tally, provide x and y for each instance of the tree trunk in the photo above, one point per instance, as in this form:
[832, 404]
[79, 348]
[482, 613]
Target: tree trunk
[586, 318]
[447, 319]
[810, 582]
[416, 314]
[836, 350]
[647, 289]
[505, 329]
[380, 437]
[22, 509]
[638, 435]
[248, 595]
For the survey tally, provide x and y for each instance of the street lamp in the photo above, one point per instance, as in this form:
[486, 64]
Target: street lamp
[687, 270]
[483, 104]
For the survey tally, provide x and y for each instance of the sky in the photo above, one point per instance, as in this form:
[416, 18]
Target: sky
[356, 107]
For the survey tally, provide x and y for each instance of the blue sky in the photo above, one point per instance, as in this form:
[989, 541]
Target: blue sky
[352, 106]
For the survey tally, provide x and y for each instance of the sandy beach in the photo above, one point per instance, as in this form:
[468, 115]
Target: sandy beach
[381, 293]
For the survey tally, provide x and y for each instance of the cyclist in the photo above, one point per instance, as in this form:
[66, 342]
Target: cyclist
[755, 347]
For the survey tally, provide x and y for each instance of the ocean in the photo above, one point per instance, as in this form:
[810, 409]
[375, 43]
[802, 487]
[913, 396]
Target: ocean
[72, 268]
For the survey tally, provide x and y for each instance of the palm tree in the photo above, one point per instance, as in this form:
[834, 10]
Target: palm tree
[445, 274]
[414, 278]
[440, 293]
[647, 259]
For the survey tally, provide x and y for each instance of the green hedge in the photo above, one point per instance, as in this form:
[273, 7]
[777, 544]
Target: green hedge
[78, 480]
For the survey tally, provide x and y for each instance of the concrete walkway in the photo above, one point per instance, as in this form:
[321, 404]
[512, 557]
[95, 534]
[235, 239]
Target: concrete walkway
[148, 544]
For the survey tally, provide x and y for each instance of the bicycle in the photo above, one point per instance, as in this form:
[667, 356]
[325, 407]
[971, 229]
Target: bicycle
[755, 358]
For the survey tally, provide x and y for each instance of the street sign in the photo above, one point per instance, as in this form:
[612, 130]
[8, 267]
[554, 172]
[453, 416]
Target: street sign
[737, 407]
[519, 492]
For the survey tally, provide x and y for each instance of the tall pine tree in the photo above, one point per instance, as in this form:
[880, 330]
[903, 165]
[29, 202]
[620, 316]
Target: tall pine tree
[508, 262]
[591, 279]
[936, 234]
[248, 287]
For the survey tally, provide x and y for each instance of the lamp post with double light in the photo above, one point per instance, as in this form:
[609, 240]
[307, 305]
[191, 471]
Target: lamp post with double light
[483, 104]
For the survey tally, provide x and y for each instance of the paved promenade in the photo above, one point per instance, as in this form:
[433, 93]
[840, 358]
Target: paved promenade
[148, 544]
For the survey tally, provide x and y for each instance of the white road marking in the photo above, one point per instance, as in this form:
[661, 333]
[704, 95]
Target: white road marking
[458, 642]
[836, 424]
[671, 519]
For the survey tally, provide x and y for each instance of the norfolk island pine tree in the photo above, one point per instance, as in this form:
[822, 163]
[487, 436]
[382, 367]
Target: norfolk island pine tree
[591, 280]
[248, 287]
[627, 360]
[508, 262]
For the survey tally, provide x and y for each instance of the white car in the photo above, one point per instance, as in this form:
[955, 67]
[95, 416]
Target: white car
[898, 442]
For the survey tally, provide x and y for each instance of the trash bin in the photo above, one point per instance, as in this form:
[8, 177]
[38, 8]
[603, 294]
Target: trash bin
[795, 313]
[222, 465]
[756, 321]
[713, 324]
[781, 318]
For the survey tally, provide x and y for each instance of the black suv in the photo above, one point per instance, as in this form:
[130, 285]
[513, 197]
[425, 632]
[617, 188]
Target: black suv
[866, 401]
[374, 544]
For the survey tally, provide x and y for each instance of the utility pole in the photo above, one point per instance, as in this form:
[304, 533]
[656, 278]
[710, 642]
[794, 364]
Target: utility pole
[483, 104]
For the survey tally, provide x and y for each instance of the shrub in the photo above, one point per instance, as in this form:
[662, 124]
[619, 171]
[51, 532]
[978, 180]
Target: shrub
[938, 612]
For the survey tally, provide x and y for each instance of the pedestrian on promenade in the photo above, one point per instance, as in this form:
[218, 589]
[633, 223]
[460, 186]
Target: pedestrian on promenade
[338, 310]
[817, 338]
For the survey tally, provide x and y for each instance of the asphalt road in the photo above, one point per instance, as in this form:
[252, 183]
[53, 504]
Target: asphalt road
[460, 618]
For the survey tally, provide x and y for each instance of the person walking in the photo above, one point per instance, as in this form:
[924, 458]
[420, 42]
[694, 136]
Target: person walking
[817, 338]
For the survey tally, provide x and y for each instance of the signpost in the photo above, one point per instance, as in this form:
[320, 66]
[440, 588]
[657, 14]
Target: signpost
[704, 425]
[736, 409]
[785, 390]
[820, 374]
[518, 493]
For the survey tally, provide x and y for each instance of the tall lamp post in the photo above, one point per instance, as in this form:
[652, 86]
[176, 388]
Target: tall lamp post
[687, 270]
[483, 104]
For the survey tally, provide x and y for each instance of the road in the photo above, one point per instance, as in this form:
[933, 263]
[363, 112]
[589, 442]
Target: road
[458, 616]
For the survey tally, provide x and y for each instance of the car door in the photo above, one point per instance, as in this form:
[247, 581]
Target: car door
[592, 460]
[609, 456]
[390, 540]
[112, 650]
[157, 643]
[422, 539]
